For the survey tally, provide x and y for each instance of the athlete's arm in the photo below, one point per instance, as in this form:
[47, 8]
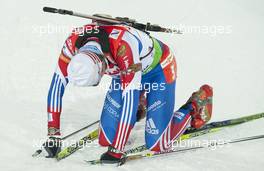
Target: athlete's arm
[127, 58]
[57, 87]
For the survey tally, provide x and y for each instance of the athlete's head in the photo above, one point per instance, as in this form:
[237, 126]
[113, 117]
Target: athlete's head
[85, 69]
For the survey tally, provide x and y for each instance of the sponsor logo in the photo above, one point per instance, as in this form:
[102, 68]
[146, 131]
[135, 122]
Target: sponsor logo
[121, 51]
[112, 101]
[167, 61]
[53, 131]
[180, 116]
[50, 118]
[115, 34]
[151, 127]
[110, 110]
[156, 105]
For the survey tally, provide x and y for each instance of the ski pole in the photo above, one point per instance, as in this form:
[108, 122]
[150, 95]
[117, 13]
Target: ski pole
[233, 141]
[67, 136]
[156, 154]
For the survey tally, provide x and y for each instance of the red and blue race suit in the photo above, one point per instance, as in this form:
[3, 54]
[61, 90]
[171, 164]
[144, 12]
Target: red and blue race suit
[138, 63]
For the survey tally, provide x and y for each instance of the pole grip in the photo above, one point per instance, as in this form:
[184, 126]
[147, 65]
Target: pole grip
[51, 10]
[59, 11]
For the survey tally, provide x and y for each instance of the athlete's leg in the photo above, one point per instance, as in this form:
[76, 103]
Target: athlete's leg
[115, 125]
[110, 116]
[162, 124]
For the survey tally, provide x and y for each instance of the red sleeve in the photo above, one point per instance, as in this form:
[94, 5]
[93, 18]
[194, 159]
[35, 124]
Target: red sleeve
[127, 58]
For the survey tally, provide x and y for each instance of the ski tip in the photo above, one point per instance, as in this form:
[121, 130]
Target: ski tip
[94, 162]
[36, 153]
[100, 162]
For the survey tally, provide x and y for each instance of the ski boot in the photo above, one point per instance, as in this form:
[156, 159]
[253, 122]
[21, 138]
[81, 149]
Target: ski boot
[113, 156]
[201, 102]
[52, 146]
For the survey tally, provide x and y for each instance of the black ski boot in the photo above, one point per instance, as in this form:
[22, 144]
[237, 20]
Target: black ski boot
[52, 146]
[113, 156]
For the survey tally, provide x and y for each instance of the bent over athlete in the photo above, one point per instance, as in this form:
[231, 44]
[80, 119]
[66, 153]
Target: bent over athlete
[144, 74]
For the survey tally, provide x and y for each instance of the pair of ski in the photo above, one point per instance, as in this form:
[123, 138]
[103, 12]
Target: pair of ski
[130, 154]
[188, 134]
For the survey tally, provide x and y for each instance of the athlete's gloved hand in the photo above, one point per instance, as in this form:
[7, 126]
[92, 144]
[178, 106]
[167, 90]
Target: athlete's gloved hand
[142, 107]
[141, 112]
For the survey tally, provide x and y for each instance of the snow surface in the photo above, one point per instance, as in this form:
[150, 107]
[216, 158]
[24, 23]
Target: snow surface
[232, 62]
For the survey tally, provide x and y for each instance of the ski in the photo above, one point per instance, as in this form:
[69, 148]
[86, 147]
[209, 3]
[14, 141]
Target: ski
[67, 136]
[155, 154]
[229, 122]
[143, 147]
[184, 136]
[78, 145]
[94, 135]
[191, 132]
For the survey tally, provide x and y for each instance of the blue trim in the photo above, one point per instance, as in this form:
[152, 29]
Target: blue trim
[140, 46]
[58, 93]
[53, 97]
[50, 89]
[61, 94]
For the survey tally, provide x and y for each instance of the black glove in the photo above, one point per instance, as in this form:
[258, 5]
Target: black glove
[52, 146]
[141, 112]
[142, 107]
